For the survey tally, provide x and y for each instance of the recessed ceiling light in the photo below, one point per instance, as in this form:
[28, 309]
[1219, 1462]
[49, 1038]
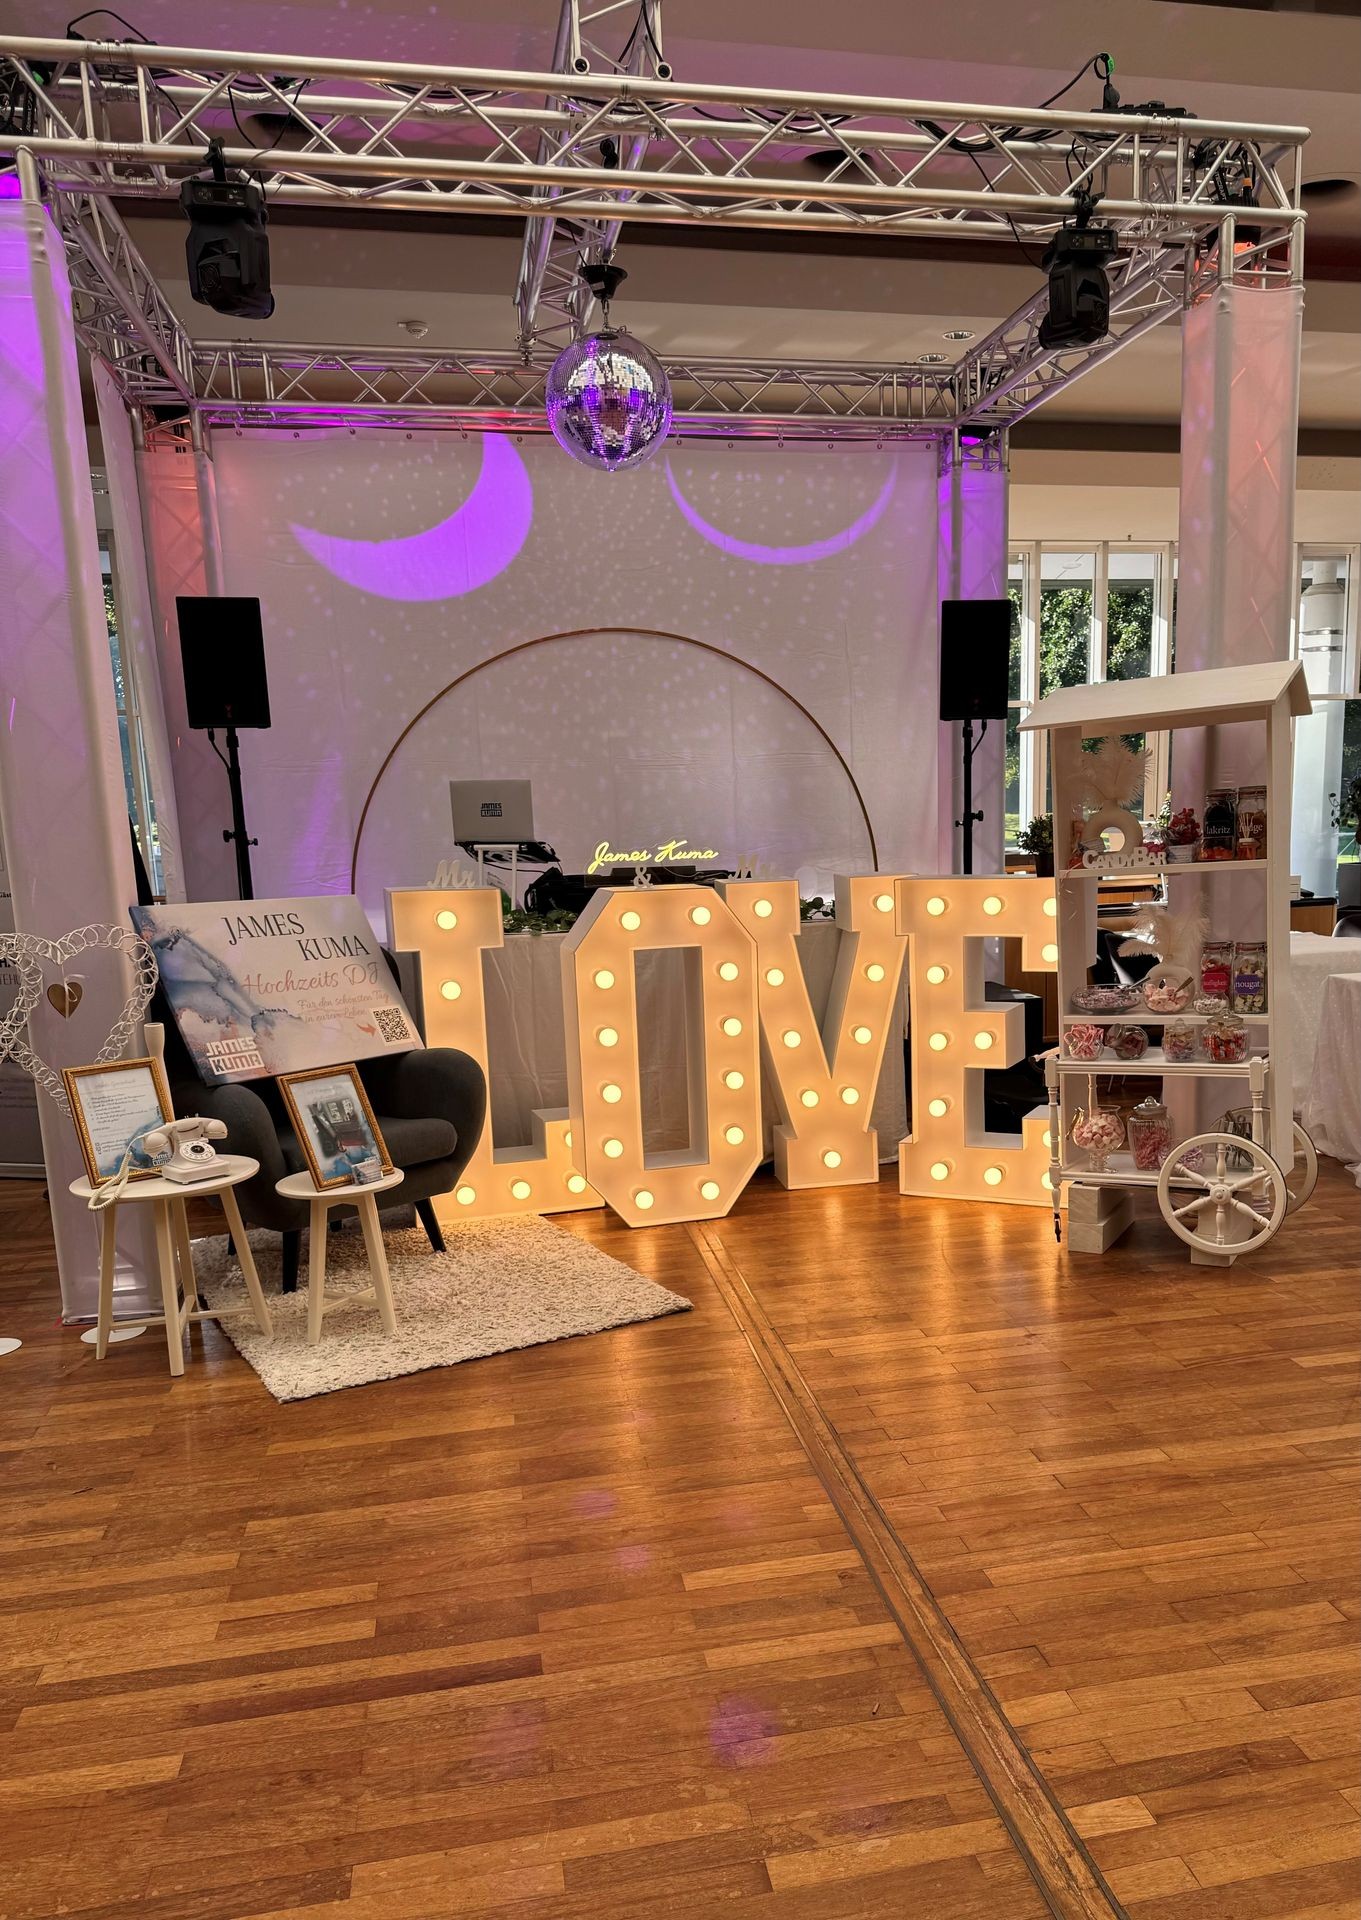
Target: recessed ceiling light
[958, 333]
[929, 359]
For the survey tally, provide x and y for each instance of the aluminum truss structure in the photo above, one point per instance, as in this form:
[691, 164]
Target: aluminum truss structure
[553, 302]
[101, 122]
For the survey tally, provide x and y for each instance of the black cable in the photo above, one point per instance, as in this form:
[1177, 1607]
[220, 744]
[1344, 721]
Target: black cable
[105, 13]
[212, 742]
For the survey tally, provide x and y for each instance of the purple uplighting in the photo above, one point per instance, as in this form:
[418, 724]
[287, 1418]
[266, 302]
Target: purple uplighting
[10, 188]
[793, 556]
[460, 554]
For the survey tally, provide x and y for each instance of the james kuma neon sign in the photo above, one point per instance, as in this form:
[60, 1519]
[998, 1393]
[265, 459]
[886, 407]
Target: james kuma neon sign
[747, 1002]
[669, 853]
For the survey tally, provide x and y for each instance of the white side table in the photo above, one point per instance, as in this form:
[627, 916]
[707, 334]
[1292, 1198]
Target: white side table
[299, 1186]
[167, 1199]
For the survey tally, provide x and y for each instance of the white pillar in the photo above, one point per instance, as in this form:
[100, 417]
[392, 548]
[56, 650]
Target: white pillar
[62, 804]
[972, 565]
[1240, 412]
[1236, 585]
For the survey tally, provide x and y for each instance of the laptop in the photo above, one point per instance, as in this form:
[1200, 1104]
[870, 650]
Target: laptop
[491, 811]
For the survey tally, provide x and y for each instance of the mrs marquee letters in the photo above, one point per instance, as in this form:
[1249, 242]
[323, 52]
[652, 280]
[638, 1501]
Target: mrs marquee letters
[746, 997]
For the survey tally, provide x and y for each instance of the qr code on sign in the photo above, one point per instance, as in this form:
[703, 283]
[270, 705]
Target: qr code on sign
[391, 1023]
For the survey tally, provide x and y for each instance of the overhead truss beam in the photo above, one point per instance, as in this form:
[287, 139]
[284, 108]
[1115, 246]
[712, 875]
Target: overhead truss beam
[130, 121]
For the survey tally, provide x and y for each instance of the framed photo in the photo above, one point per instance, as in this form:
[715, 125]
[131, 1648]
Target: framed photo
[111, 1105]
[335, 1126]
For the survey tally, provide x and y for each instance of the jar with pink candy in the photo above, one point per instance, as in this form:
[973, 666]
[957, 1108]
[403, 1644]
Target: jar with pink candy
[1100, 1132]
[1084, 1040]
[1150, 1135]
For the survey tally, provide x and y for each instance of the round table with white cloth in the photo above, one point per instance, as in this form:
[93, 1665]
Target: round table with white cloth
[527, 1047]
[1314, 959]
[1332, 1103]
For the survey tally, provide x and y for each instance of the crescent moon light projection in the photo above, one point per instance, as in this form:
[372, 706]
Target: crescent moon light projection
[476, 543]
[796, 556]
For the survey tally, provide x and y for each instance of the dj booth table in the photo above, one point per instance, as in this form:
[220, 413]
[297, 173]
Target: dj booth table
[527, 1049]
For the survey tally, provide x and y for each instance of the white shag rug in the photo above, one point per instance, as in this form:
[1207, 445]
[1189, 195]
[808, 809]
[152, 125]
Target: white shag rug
[514, 1282]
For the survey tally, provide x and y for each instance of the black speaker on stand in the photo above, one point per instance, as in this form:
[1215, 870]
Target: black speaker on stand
[222, 650]
[975, 655]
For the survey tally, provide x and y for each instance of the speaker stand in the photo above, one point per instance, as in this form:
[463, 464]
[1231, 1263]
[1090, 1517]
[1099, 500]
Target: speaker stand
[971, 814]
[236, 833]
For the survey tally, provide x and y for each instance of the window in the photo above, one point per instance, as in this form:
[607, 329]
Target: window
[1327, 757]
[136, 779]
[1104, 613]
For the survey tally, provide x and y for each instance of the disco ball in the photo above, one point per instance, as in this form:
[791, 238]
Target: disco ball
[609, 401]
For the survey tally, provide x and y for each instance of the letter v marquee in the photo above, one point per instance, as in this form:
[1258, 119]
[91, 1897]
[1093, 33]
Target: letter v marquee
[957, 1032]
[449, 932]
[824, 1080]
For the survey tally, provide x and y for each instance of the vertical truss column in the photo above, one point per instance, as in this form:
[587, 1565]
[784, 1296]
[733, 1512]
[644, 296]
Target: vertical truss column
[552, 303]
[972, 565]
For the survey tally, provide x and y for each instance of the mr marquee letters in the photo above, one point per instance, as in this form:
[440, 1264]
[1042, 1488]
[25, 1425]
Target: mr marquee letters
[746, 999]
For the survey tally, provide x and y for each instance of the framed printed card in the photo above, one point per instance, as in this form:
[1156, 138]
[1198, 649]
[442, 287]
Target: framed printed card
[335, 1126]
[112, 1106]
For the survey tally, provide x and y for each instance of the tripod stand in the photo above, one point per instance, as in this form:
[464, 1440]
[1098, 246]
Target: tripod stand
[971, 814]
[236, 832]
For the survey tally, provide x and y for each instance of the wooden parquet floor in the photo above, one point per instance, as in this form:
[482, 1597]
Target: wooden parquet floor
[627, 1625]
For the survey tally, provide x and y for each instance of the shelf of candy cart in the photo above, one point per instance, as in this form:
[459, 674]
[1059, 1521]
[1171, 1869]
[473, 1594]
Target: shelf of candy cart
[1124, 875]
[1154, 1062]
[1119, 1171]
[1141, 1017]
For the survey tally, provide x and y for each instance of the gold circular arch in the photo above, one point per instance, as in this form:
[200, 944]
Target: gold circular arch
[591, 633]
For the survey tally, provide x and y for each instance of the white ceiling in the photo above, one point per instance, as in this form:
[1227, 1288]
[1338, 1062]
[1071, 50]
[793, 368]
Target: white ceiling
[793, 297]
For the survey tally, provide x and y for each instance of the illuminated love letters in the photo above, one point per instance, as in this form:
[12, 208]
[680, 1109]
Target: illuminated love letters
[745, 1004]
[824, 1078]
[957, 1031]
[450, 931]
[701, 1181]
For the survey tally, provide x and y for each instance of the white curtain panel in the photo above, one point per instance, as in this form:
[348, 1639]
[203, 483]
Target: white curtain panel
[390, 563]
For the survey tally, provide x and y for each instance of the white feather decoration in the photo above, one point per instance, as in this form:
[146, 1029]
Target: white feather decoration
[1175, 935]
[1113, 775]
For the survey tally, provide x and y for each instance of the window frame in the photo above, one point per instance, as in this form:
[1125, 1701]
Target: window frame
[1029, 555]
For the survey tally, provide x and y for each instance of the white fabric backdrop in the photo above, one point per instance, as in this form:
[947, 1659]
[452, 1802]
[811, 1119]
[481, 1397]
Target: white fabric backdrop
[815, 565]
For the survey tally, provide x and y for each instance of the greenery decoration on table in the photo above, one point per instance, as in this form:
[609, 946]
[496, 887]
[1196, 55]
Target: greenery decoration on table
[521, 920]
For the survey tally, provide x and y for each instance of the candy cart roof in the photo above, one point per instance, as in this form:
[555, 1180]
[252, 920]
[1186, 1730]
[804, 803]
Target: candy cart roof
[1174, 699]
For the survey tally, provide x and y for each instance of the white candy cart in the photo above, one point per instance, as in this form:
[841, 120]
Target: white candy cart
[1224, 1193]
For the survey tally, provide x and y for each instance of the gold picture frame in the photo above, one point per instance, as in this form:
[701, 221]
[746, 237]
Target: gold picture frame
[312, 1124]
[108, 1117]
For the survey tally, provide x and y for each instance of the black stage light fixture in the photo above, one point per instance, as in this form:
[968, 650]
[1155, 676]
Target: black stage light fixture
[1079, 291]
[228, 247]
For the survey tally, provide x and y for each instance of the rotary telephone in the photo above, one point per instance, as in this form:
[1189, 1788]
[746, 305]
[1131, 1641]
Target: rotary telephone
[188, 1143]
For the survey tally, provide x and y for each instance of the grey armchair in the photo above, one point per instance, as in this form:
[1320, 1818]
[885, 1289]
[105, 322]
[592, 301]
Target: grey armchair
[430, 1107]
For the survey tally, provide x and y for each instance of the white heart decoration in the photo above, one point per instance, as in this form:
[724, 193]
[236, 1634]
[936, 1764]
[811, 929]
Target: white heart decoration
[30, 975]
[26, 953]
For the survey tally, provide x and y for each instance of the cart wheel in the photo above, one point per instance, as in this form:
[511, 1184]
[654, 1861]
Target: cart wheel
[1234, 1212]
[1303, 1176]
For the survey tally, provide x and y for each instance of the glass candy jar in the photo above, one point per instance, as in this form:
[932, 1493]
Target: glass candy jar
[1168, 989]
[1128, 1043]
[1150, 1135]
[1084, 1040]
[1100, 1132]
[1225, 1040]
[1180, 1041]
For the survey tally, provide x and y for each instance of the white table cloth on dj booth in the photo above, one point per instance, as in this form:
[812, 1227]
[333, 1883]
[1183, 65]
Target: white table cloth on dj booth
[1314, 958]
[527, 1045]
[1332, 1105]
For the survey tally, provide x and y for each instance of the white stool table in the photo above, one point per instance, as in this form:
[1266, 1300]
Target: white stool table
[173, 1250]
[300, 1186]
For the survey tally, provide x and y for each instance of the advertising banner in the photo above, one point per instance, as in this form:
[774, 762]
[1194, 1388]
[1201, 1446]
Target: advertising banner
[262, 987]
